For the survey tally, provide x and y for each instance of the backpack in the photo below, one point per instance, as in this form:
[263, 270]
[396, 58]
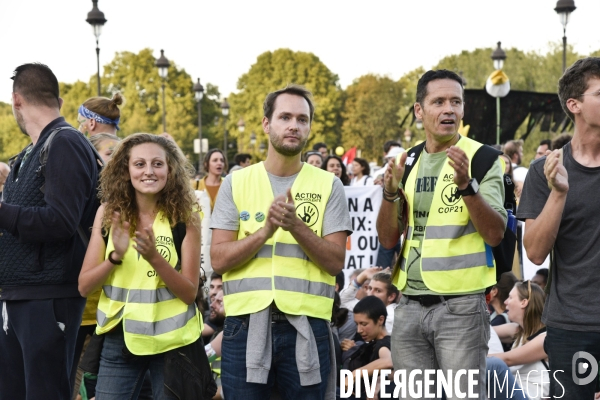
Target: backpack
[481, 163]
[85, 236]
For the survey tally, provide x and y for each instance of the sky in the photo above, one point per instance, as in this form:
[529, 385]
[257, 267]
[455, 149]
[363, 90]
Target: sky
[218, 41]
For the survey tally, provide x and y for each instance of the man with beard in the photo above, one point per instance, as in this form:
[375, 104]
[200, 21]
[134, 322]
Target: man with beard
[279, 235]
[216, 319]
[216, 286]
[41, 251]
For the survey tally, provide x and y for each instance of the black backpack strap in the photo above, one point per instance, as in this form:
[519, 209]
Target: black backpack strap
[482, 161]
[413, 155]
[178, 232]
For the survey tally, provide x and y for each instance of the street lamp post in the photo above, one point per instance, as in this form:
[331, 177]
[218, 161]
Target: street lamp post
[564, 8]
[241, 128]
[96, 20]
[225, 112]
[252, 139]
[198, 94]
[163, 69]
[498, 57]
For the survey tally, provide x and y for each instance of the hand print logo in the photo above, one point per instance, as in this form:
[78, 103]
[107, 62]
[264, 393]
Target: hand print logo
[308, 213]
[450, 195]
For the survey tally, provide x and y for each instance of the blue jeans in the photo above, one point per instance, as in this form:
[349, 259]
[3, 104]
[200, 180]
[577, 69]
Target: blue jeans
[451, 335]
[284, 372]
[121, 374]
[561, 346]
[501, 381]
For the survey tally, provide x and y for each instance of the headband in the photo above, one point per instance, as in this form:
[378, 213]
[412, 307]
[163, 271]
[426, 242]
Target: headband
[97, 117]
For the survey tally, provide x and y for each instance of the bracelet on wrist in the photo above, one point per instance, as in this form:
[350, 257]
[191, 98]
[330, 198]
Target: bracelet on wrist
[112, 260]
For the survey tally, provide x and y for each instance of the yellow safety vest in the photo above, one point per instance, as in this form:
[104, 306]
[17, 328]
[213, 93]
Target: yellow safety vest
[280, 271]
[454, 257]
[154, 319]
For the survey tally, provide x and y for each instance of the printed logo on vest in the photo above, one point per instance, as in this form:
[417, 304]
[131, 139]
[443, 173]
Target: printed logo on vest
[450, 195]
[314, 197]
[259, 216]
[308, 213]
[244, 215]
[163, 246]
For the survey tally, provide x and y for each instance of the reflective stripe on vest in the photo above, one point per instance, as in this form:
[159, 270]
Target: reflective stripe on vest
[102, 320]
[454, 257]
[163, 326]
[281, 271]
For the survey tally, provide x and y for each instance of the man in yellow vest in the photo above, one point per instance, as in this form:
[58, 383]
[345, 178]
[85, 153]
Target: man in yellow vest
[450, 224]
[279, 235]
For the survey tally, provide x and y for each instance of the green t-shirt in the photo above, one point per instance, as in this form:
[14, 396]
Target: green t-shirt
[430, 165]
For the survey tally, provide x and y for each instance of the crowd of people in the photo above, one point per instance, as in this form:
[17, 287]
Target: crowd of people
[101, 239]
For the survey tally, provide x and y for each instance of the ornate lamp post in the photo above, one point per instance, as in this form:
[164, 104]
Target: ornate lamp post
[96, 19]
[225, 112]
[498, 57]
[163, 69]
[198, 94]
[564, 8]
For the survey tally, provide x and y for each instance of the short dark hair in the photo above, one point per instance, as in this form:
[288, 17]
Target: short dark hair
[313, 153]
[241, 157]
[319, 145]
[214, 276]
[389, 144]
[363, 163]
[546, 142]
[433, 75]
[544, 273]
[386, 278]
[504, 285]
[37, 84]
[574, 81]
[372, 307]
[560, 141]
[297, 90]
[512, 147]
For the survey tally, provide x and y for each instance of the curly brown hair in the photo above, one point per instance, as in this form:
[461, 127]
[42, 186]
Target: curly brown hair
[177, 201]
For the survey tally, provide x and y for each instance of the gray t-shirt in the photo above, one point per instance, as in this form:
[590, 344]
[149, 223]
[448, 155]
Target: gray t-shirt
[337, 218]
[573, 302]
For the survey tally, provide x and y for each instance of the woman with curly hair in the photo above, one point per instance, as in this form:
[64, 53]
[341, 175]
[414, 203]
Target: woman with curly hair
[335, 165]
[148, 285]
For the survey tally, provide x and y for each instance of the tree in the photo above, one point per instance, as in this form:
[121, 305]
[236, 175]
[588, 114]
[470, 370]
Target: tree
[370, 114]
[275, 70]
[12, 140]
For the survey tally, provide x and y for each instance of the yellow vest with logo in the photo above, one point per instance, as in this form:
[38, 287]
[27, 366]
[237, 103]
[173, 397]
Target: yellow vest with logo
[154, 319]
[454, 256]
[280, 272]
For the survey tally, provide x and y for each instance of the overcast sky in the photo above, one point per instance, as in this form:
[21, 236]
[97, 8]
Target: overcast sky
[218, 41]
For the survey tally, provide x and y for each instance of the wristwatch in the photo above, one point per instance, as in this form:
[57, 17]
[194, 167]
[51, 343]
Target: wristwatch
[471, 189]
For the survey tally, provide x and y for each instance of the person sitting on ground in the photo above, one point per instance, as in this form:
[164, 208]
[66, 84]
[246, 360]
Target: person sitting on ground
[358, 286]
[524, 306]
[381, 286]
[374, 354]
[541, 278]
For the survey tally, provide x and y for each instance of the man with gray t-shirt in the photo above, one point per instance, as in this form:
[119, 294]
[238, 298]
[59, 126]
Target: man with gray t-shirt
[279, 236]
[558, 206]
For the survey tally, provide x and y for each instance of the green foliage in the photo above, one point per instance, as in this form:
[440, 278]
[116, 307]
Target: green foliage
[370, 114]
[273, 71]
[12, 140]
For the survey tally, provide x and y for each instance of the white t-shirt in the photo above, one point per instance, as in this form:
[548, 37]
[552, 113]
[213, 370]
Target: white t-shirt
[519, 173]
[366, 180]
